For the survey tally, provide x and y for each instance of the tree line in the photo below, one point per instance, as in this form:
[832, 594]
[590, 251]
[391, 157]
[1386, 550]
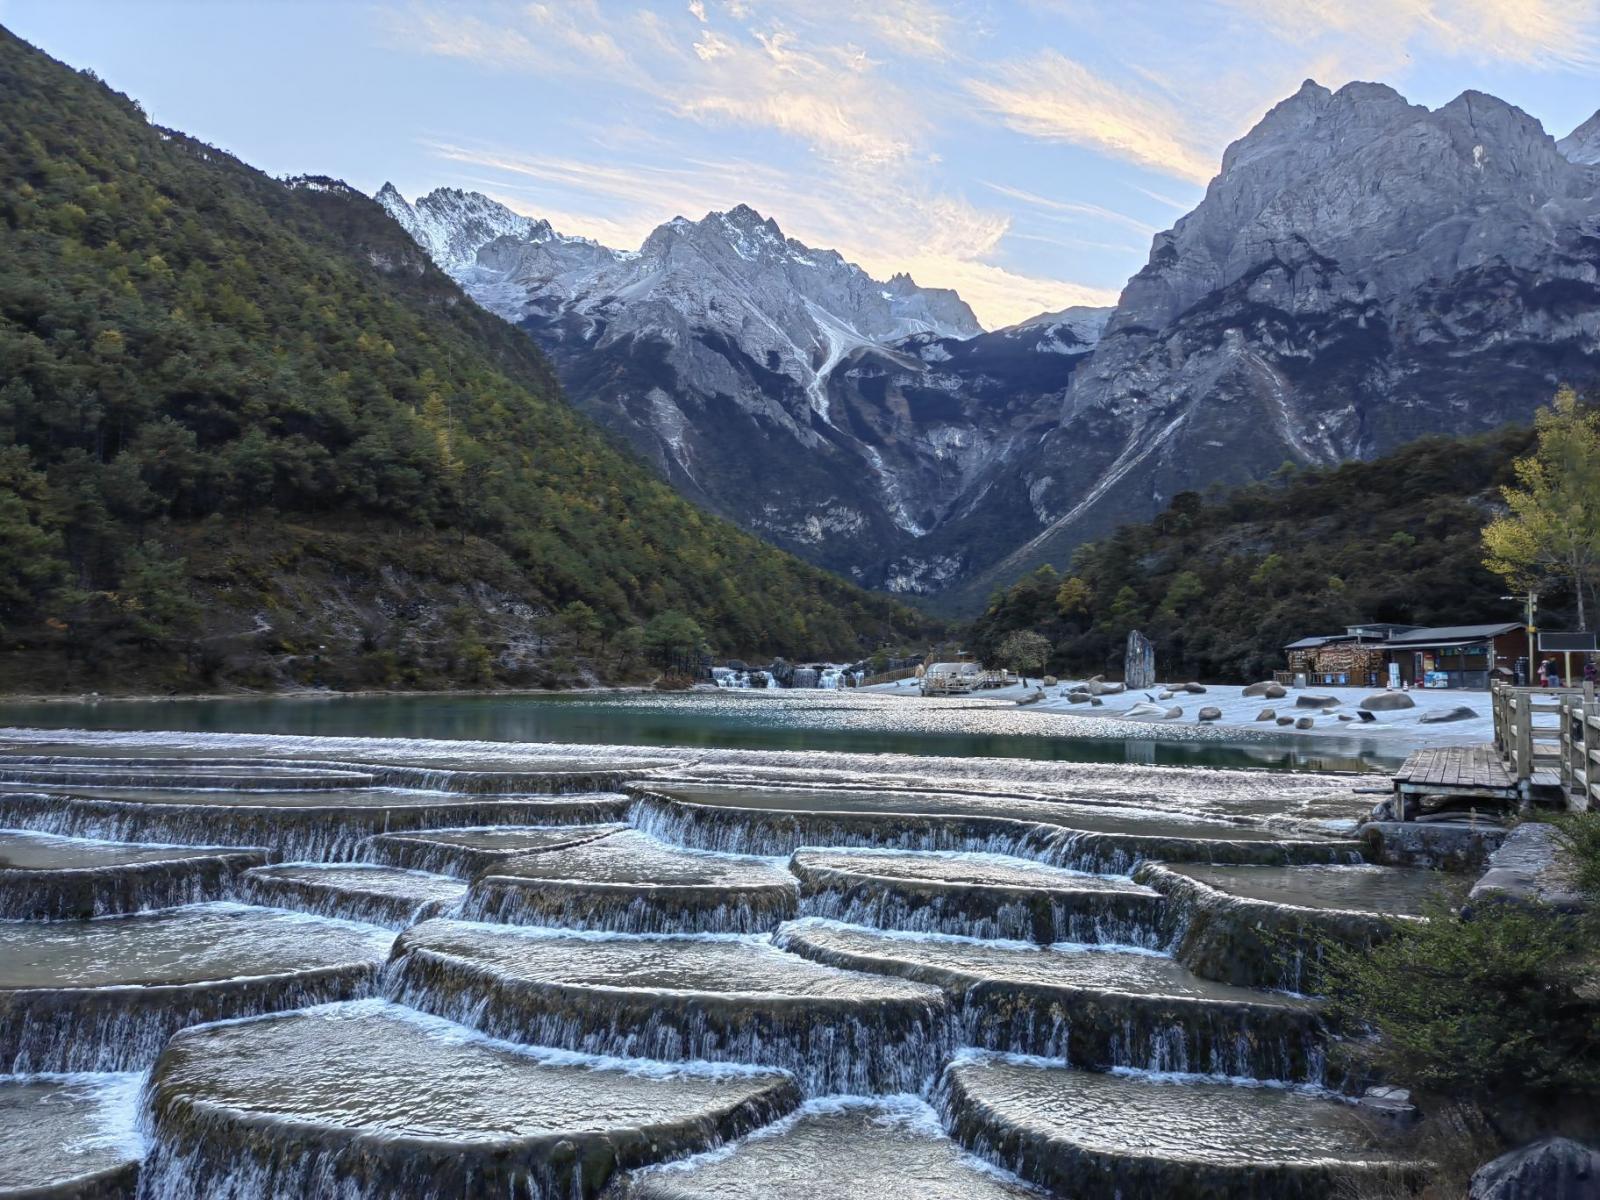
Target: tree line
[209, 378]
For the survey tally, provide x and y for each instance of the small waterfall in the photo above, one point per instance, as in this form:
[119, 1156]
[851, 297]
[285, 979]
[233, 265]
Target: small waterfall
[509, 901]
[862, 1048]
[396, 911]
[1106, 1030]
[1089, 919]
[125, 1028]
[331, 834]
[116, 890]
[773, 834]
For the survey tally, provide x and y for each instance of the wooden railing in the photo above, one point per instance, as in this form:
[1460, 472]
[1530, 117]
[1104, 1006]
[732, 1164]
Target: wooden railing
[889, 676]
[1550, 735]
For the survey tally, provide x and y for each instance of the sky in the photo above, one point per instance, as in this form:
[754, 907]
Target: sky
[1021, 151]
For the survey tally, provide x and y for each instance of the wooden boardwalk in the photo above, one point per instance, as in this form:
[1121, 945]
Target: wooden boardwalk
[1460, 770]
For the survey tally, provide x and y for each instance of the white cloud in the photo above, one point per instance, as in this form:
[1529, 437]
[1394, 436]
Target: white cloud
[1052, 97]
[1072, 209]
[831, 98]
[1373, 36]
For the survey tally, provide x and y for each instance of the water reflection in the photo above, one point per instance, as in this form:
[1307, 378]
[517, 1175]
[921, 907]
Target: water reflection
[839, 722]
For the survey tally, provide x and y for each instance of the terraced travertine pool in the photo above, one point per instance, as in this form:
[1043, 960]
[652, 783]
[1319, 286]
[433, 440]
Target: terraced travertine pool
[303, 967]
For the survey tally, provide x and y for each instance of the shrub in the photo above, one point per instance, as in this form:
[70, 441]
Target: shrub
[1579, 834]
[1497, 1011]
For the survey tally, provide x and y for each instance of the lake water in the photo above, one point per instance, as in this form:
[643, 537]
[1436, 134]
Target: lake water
[814, 721]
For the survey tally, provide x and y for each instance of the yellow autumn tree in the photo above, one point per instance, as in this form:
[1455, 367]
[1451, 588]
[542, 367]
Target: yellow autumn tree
[1552, 529]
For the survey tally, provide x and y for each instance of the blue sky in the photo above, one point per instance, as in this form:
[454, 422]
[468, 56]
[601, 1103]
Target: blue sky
[1022, 152]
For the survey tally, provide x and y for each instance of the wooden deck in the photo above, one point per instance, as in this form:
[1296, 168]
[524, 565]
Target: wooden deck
[1461, 770]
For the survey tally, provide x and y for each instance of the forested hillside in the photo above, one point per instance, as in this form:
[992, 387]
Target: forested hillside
[1222, 583]
[249, 433]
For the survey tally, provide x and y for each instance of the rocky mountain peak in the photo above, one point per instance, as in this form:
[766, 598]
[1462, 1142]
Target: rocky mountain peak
[451, 224]
[1582, 145]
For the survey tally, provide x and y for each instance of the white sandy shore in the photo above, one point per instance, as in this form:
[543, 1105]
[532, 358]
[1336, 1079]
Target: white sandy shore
[1405, 728]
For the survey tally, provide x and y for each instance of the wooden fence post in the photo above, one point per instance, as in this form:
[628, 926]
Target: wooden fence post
[1522, 728]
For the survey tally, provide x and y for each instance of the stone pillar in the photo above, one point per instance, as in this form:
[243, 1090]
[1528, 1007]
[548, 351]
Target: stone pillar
[1139, 663]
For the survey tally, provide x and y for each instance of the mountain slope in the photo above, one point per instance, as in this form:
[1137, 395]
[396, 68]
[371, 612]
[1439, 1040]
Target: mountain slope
[249, 431]
[771, 382]
[1223, 583]
[1582, 145]
[1362, 272]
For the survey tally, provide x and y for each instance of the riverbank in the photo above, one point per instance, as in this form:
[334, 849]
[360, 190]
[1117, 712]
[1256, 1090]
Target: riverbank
[1399, 731]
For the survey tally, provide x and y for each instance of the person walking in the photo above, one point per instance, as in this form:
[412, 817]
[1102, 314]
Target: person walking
[1544, 672]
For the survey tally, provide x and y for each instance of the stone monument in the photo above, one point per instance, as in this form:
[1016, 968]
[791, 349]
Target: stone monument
[1139, 663]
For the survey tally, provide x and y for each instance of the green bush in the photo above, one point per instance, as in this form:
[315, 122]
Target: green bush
[1498, 1011]
[1579, 834]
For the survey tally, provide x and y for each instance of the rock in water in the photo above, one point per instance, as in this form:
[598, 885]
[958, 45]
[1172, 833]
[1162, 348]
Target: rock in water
[1145, 709]
[1210, 713]
[1310, 701]
[1387, 702]
[1555, 1168]
[1459, 713]
[1267, 714]
[1267, 689]
[1305, 722]
[1287, 720]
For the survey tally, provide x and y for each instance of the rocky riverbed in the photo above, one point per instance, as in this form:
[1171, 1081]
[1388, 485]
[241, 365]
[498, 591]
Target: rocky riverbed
[296, 967]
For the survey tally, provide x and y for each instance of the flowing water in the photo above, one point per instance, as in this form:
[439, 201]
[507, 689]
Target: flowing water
[782, 957]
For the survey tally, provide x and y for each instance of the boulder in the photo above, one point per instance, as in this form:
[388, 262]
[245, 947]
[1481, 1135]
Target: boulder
[1097, 702]
[1305, 722]
[1267, 689]
[1459, 713]
[1390, 1105]
[1388, 702]
[1553, 1168]
[1078, 698]
[1267, 714]
[1210, 713]
[1164, 696]
[1146, 709]
[1285, 720]
[1311, 701]
[1172, 713]
[1346, 717]
[1113, 689]
[1195, 689]
[1050, 681]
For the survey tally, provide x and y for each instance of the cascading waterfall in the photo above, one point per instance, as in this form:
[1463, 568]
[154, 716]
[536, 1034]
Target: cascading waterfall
[1108, 919]
[331, 833]
[865, 1048]
[511, 901]
[773, 834]
[124, 1029]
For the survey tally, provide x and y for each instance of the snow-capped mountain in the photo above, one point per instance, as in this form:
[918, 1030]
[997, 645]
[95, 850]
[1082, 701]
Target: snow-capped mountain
[1362, 272]
[731, 357]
